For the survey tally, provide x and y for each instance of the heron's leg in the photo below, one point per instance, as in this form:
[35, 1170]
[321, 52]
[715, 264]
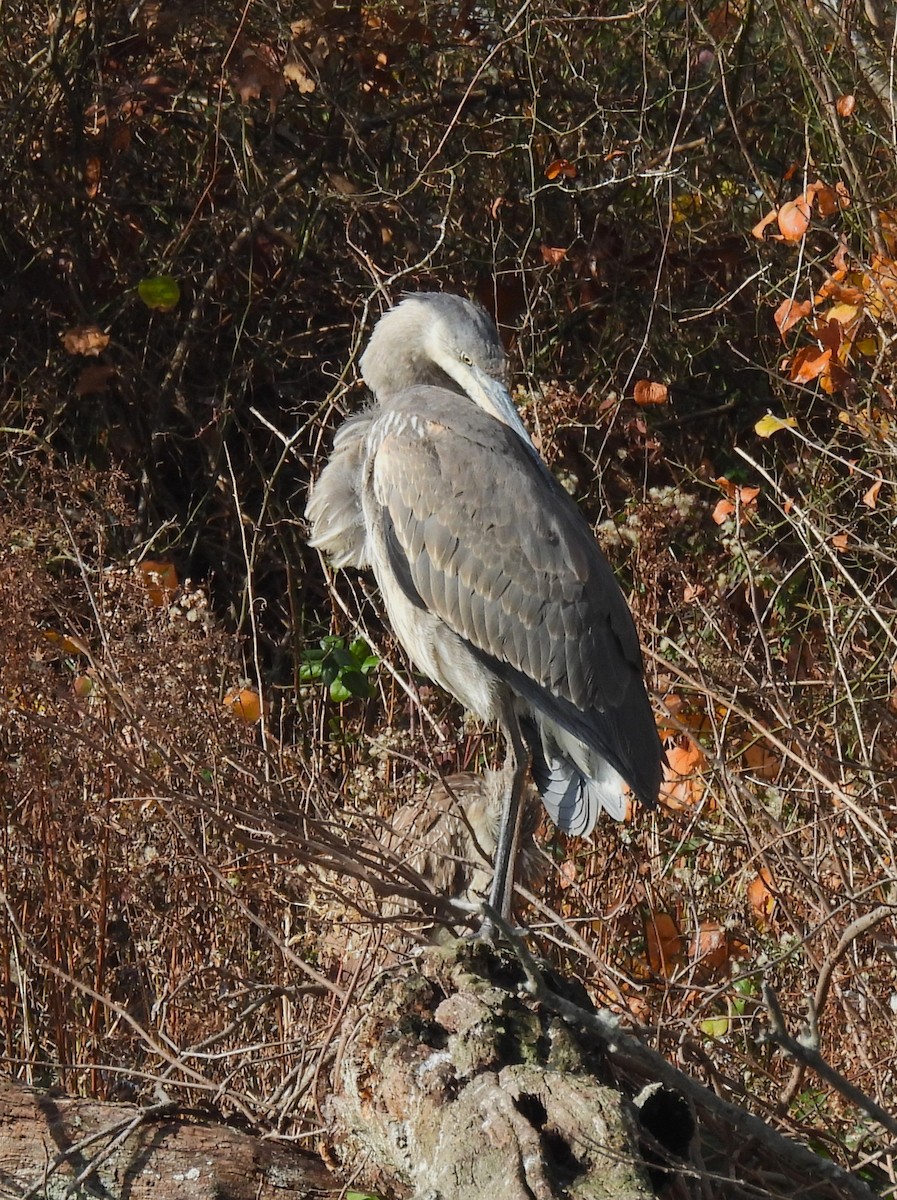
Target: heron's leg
[509, 829]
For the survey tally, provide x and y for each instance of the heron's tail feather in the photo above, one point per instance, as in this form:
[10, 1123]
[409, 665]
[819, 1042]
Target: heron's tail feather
[575, 784]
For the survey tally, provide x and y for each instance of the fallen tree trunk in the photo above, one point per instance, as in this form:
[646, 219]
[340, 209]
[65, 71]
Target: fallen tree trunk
[49, 1144]
[469, 1073]
[477, 1074]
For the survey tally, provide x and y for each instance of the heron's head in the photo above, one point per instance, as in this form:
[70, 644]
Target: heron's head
[440, 340]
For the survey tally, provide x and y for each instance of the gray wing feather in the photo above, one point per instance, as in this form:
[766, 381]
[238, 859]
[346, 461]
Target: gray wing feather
[334, 506]
[502, 555]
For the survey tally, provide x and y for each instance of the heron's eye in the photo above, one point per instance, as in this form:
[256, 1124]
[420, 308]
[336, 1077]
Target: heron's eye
[466, 359]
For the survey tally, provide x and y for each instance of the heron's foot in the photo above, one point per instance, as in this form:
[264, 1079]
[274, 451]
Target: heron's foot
[487, 932]
[496, 928]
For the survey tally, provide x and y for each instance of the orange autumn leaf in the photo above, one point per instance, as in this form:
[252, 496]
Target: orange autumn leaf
[794, 219]
[552, 255]
[683, 713]
[735, 494]
[736, 491]
[760, 895]
[647, 392]
[846, 105]
[808, 363]
[160, 579]
[722, 511]
[789, 313]
[682, 785]
[245, 703]
[763, 224]
[663, 942]
[870, 498]
[841, 542]
[845, 287]
[560, 167]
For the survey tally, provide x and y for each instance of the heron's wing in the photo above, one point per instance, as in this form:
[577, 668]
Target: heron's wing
[478, 533]
[334, 506]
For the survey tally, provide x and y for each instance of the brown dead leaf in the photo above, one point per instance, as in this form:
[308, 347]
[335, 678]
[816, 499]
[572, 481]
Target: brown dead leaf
[664, 943]
[296, 73]
[760, 760]
[828, 199]
[760, 895]
[789, 313]
[68, 643]
[710, 949]
[552, 255]
[841, 542]
[85, 339]
[567, 873]
[259, 71]
[648, 392]
[846, 105]
[92, 175]
[94, 378]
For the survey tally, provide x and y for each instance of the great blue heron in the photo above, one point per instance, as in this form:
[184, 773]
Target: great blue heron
[490, 575]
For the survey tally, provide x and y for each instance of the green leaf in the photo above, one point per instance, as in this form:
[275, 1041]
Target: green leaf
[159, 292]
[715, 1027]
[746, 986]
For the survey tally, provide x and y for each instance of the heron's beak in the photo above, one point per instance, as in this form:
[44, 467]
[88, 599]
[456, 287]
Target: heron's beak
[496, 399]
